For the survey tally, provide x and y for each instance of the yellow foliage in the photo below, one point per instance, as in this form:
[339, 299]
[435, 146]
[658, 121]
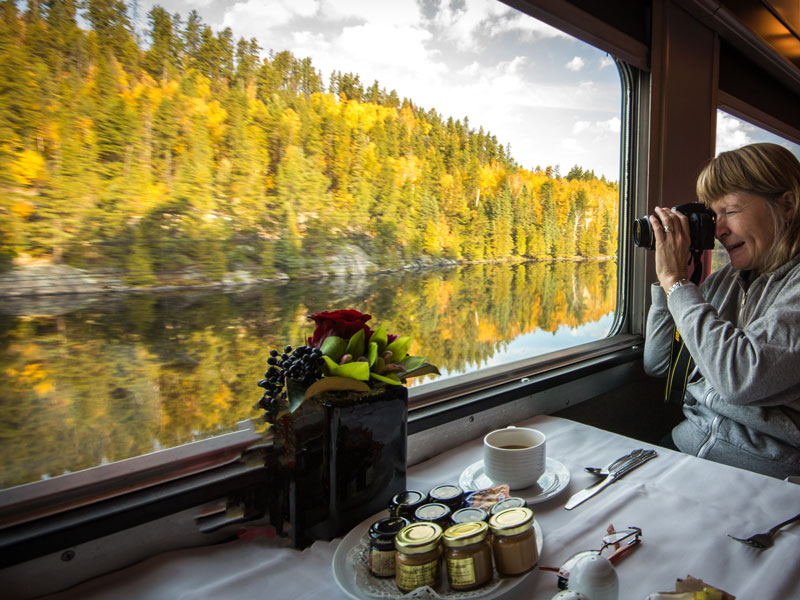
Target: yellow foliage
[488, 331]
[28, 168]
[44, 388]
[215, 118]
[490, 176]
[292, 121]
[22, 209]
[408, 170]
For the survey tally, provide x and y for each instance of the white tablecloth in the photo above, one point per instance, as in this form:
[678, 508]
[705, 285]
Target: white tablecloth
[684, 505]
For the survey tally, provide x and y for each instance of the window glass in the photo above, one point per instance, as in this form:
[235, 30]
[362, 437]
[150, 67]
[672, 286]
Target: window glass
[733, 133]
[183, 183]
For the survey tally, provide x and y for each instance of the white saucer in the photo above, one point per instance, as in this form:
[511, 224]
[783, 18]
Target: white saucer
[554, 480]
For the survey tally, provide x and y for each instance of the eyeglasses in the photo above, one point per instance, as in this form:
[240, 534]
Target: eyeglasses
[630, 536]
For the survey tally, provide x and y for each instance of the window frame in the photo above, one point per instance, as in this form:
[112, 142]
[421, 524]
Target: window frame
[46, 517]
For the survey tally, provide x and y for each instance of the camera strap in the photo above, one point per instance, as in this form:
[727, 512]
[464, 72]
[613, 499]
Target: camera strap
[680, 365]
[680, 361]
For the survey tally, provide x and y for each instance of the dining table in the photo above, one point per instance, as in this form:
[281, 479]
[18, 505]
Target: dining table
[685, 506]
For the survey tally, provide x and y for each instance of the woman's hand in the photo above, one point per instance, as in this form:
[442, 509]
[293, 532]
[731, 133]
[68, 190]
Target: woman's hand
[672, 246]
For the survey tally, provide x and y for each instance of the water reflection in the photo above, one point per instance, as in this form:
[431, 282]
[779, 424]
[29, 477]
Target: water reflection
[129, 374]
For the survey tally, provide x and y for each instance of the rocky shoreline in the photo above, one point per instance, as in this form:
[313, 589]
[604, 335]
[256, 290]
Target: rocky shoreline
[41, 278]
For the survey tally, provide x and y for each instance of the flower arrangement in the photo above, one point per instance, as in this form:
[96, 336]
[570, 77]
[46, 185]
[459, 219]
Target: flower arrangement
[343, 354]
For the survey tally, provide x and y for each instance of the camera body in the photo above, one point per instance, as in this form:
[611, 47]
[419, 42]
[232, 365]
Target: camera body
[702, 222]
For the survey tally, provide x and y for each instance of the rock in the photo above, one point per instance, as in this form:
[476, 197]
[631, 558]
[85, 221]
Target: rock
[39, 279]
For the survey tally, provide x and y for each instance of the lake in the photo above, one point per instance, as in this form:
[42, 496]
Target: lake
[121, 375]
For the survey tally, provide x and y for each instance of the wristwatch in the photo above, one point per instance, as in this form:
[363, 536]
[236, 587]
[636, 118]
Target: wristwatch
[676, 285]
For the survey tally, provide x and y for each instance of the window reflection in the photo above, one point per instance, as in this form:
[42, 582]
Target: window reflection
[451, 170]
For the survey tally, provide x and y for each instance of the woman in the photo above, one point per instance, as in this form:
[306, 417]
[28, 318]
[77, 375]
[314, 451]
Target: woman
[742, 324]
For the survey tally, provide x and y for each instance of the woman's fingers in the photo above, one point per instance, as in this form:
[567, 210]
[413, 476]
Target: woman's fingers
[671, 231]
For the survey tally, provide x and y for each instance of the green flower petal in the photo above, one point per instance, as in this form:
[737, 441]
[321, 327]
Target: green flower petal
[355, 347]
[334, 347]
[372, 353]
[390, 379]
[399, 349]
[380, 338]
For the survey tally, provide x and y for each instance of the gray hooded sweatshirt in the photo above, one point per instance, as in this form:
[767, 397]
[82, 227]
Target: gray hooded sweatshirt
[742, 404]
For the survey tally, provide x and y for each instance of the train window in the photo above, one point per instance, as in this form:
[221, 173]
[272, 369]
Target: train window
[733, 132]
[199, 182]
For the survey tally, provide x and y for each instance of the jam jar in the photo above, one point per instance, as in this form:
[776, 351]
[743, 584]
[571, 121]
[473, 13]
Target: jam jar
[419, 556]
[512, 502]
[381, 545]
[467, 555]
[514, 541]
[448, 494]
[405, 503]
[471, 513]
[434, 513]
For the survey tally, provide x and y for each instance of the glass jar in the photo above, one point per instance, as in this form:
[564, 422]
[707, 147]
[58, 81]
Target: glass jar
[468, 555]
[450, 495]
[381, 545]
[418, 559]
[405, 503]
[469, 514]
[513, 502]
[434, 513]
[514, 541]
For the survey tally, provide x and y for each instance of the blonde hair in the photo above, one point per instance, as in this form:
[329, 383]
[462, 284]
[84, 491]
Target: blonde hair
[765, 170]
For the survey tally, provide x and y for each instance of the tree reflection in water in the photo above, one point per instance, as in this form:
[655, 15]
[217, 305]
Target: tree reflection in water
[130, 374]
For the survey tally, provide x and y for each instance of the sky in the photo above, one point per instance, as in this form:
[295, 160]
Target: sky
[554, 99]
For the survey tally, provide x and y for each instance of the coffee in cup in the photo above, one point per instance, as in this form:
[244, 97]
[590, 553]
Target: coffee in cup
[514, 455]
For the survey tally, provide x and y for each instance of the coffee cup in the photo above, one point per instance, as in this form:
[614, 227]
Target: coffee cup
[514, 455]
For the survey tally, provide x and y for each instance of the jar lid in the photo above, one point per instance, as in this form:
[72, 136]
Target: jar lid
[465, 534]
[511, 521]
[445, 493]
[432, 512]
[418, 538]
[408, 498]
[471, 513]
[513, 502]
[388, 526]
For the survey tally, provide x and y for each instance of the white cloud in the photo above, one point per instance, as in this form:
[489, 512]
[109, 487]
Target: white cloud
[251, 18]
[580, 126]
[576, 64]
[731, 132]
[606, 62]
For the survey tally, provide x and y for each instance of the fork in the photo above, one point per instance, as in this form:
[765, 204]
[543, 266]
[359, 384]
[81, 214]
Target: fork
[764, 540]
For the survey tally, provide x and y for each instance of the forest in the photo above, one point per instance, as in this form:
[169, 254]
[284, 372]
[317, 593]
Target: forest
[190, 150]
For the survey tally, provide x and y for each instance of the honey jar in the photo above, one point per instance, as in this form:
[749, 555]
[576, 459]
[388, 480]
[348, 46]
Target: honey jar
[467, 555]
[381, 545]
[419, 553]
[514, 541]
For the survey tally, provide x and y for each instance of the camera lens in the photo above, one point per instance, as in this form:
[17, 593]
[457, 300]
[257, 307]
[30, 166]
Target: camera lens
[643, 234]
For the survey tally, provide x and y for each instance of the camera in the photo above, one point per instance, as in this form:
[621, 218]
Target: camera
[702, 222]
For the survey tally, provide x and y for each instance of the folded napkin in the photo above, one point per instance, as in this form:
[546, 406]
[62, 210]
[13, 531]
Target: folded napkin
[692, 589]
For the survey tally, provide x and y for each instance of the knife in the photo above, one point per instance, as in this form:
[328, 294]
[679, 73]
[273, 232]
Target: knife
[595, 488]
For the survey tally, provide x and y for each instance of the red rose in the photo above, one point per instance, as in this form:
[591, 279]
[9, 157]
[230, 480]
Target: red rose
[341, 323]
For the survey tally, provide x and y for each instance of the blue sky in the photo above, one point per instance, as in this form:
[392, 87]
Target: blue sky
[554, 99]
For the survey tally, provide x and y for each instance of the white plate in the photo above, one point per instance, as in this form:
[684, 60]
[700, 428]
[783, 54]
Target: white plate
[352, 575]
[554, 480]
